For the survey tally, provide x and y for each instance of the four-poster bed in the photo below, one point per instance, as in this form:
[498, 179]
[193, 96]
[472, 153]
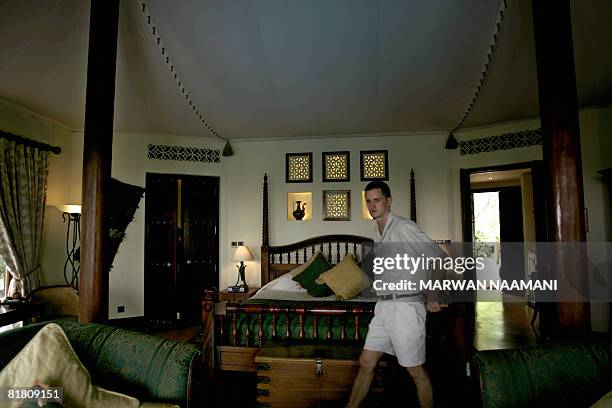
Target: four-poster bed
[247, 336]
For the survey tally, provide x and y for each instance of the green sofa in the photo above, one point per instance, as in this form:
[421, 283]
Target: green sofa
[147, 367]
[572, 374]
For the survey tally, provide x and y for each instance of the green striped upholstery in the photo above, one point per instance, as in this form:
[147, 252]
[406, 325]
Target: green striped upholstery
[573, 374]
[146, 367]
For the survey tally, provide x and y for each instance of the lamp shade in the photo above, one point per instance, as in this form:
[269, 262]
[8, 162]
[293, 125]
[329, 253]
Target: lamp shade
[69, 208]
[242, 253]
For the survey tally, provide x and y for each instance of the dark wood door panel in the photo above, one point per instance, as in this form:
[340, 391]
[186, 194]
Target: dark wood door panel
[182, 245]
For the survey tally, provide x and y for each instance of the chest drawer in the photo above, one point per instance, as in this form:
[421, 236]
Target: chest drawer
[305, 375]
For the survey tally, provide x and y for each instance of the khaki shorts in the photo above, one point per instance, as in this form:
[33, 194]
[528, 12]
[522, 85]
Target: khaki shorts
[398, 328]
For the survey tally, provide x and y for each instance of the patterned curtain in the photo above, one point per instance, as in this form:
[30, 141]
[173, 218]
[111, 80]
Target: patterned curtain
[23, 187]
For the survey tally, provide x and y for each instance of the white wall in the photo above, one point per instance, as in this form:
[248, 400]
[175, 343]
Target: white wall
[437, 186]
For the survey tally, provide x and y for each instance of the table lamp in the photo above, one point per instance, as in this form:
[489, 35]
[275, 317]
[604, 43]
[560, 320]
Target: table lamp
[241, 254]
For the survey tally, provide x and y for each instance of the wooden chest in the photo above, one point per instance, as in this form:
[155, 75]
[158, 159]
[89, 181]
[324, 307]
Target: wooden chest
[305, 375]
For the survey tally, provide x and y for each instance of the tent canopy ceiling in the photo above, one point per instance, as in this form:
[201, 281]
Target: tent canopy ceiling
[283, 69]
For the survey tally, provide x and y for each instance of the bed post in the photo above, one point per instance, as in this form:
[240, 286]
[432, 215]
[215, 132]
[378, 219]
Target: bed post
[265, 234]
[208, 337]
[413, 216]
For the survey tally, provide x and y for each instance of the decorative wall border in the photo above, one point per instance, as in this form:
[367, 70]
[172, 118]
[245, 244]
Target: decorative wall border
[180, 153]
[506, 141]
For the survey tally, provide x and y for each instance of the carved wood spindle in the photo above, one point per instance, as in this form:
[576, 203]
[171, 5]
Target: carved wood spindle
[301, 319]
[328, 335]
[248, 330]
[274, 333]
[337, 252]
[346, 250]
[287, 331]
[260, 330]
[234, 329]
[313, 249]
[356, 327]
[329, 249]
[321, 247]
[342, 329]
[221, 330]
[304, 255]
[355, 248]
[413, 210]
[315, 327]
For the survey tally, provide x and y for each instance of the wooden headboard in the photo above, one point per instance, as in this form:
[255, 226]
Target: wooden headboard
[278, 260]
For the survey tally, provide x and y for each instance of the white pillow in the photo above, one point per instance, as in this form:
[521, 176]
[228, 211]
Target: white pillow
[285, 283]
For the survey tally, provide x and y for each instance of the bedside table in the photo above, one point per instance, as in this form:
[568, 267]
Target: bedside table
[236, 297]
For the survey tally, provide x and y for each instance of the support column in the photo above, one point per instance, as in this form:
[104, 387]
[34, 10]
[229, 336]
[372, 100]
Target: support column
[97, 156]
[561, 149]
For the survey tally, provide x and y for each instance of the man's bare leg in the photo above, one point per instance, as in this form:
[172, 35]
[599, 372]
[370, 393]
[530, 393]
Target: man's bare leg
[423, 385]
[361, 386]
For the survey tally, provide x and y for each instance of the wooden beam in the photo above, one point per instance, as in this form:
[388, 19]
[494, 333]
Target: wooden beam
[97, 156]
[561, 150]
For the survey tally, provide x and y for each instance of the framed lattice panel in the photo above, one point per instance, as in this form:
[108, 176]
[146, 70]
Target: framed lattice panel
[336, 205]
[336, 166]
[374, 165]
[298, 168]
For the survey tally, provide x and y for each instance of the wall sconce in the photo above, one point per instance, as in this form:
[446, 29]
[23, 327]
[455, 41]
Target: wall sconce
[72, 214]
[241, 254]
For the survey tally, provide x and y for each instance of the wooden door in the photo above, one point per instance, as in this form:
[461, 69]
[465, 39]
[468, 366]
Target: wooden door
[181, 245]
[511, 233]
[200, 241]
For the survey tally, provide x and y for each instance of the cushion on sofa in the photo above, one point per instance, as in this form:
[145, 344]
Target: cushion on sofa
[604, 402]
[50, 359]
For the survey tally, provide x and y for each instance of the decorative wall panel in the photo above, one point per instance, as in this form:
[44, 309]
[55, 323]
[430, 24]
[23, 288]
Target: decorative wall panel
[180, 153]
[374, 165]
[298, 168]
[336, 205]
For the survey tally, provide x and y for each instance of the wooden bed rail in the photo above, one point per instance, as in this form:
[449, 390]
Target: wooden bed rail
[277, 260]
[299, 312]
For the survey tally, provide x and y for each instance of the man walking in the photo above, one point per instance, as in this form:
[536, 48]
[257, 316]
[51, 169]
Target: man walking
[398, 325]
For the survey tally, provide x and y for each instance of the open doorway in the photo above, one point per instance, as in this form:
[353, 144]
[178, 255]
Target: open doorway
[503, 209]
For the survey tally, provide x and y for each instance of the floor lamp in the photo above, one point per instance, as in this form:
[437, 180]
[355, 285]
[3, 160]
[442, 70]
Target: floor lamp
[72, 215]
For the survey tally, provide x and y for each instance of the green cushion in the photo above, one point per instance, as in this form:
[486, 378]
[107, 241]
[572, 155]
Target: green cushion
[307, 278]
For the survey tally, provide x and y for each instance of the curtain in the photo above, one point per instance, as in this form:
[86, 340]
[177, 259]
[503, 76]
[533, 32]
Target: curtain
[23, 187]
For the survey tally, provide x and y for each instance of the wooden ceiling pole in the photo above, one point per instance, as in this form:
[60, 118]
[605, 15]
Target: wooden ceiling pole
[97, 156]
[561, 150]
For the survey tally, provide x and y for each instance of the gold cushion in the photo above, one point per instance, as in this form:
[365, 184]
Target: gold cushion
[50, 359]
[346, 279]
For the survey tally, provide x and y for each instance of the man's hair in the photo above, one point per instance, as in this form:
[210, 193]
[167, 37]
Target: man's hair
[384, 187]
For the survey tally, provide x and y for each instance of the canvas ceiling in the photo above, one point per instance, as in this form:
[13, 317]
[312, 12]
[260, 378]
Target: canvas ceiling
[282, 69]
